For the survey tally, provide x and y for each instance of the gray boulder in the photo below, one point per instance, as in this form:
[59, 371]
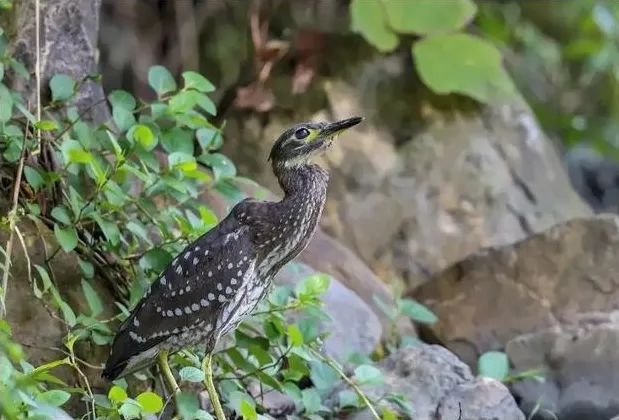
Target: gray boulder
[580, 365]
[439, 386]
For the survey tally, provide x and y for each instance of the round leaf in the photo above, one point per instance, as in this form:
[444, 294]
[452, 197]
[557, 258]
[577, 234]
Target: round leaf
[143, 135]
[428, 16]
[62, 87]
[122, 99]
[67, 237]
[368, 19]
[151, 403]
[366, 374]
[462, 63]
[160, 79]
[191, 374]
[117, 394]
[493, 364]
[196, 81]
[295, 337]
[33, 177]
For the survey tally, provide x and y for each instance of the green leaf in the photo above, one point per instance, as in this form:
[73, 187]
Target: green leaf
[160, 79]
[196, 81]
[67, 237]
[123, 118]
[465, 64]
[6, 104]
[205, 103]
[55, 397]
[424, 17]
[311, 400]
[493, 364]
[109, 228]
[143, 135]
[156, 259]
[67, 313]
[368, 18]
[177, 140]
[313, 286]
[62, 87]
[94, 302]
[1, 71]
[33, 177]
[61, 214]
[73, 152]
[187, 405]
[191, 374]
[117, 394]
[248, 411]
[182, 161]
[87, 268]
[130, 410]
[222, 166]
[151, 403]
[417, 312]
[366, 374]
[46, 125]
[122, 99]
[323, 376]
[348, 398]
[295, 337]
[209, 138]
[182, 102]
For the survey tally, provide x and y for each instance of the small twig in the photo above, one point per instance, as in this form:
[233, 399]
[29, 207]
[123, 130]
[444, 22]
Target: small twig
[349, 381]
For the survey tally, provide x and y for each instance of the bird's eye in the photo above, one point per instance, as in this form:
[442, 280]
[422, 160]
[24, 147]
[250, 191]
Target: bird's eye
[301, 133]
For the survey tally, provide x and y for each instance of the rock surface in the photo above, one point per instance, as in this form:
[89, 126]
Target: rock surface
[414, 197]
[546, 280]
[441, 387]
[580, 365]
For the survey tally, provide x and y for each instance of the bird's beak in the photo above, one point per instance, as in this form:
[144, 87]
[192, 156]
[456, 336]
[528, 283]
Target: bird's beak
[333, 129]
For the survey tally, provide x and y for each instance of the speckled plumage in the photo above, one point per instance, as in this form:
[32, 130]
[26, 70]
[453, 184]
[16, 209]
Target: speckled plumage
[217, 281]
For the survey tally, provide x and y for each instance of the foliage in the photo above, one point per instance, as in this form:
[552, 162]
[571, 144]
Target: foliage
[563, 54]
[447, 59]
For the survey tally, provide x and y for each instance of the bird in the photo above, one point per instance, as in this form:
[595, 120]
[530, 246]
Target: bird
[218, 280]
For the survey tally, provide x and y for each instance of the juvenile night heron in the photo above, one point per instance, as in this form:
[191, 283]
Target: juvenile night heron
[219, 279]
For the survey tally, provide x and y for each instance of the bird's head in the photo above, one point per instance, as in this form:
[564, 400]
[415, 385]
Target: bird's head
[300, 143]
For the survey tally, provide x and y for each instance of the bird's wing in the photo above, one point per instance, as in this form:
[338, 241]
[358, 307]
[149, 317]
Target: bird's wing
[191, 293]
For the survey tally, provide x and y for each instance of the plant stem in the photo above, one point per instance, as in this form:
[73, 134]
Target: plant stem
[349, 381]
[167, 372]
[207, 367]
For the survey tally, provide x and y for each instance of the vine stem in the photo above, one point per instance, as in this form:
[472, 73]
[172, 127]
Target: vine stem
[349, 381]
[167, 372]
[207, 367]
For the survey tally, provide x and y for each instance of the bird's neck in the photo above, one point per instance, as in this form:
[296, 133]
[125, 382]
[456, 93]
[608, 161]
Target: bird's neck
[301, 180]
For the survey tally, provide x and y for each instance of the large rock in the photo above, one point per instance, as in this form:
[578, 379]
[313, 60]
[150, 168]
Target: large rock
[543, 281]
[580, 365]
[425, 181]
[439, 386]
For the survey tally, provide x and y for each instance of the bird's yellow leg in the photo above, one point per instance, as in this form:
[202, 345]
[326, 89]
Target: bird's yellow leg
[210, 386]
[167, 372]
